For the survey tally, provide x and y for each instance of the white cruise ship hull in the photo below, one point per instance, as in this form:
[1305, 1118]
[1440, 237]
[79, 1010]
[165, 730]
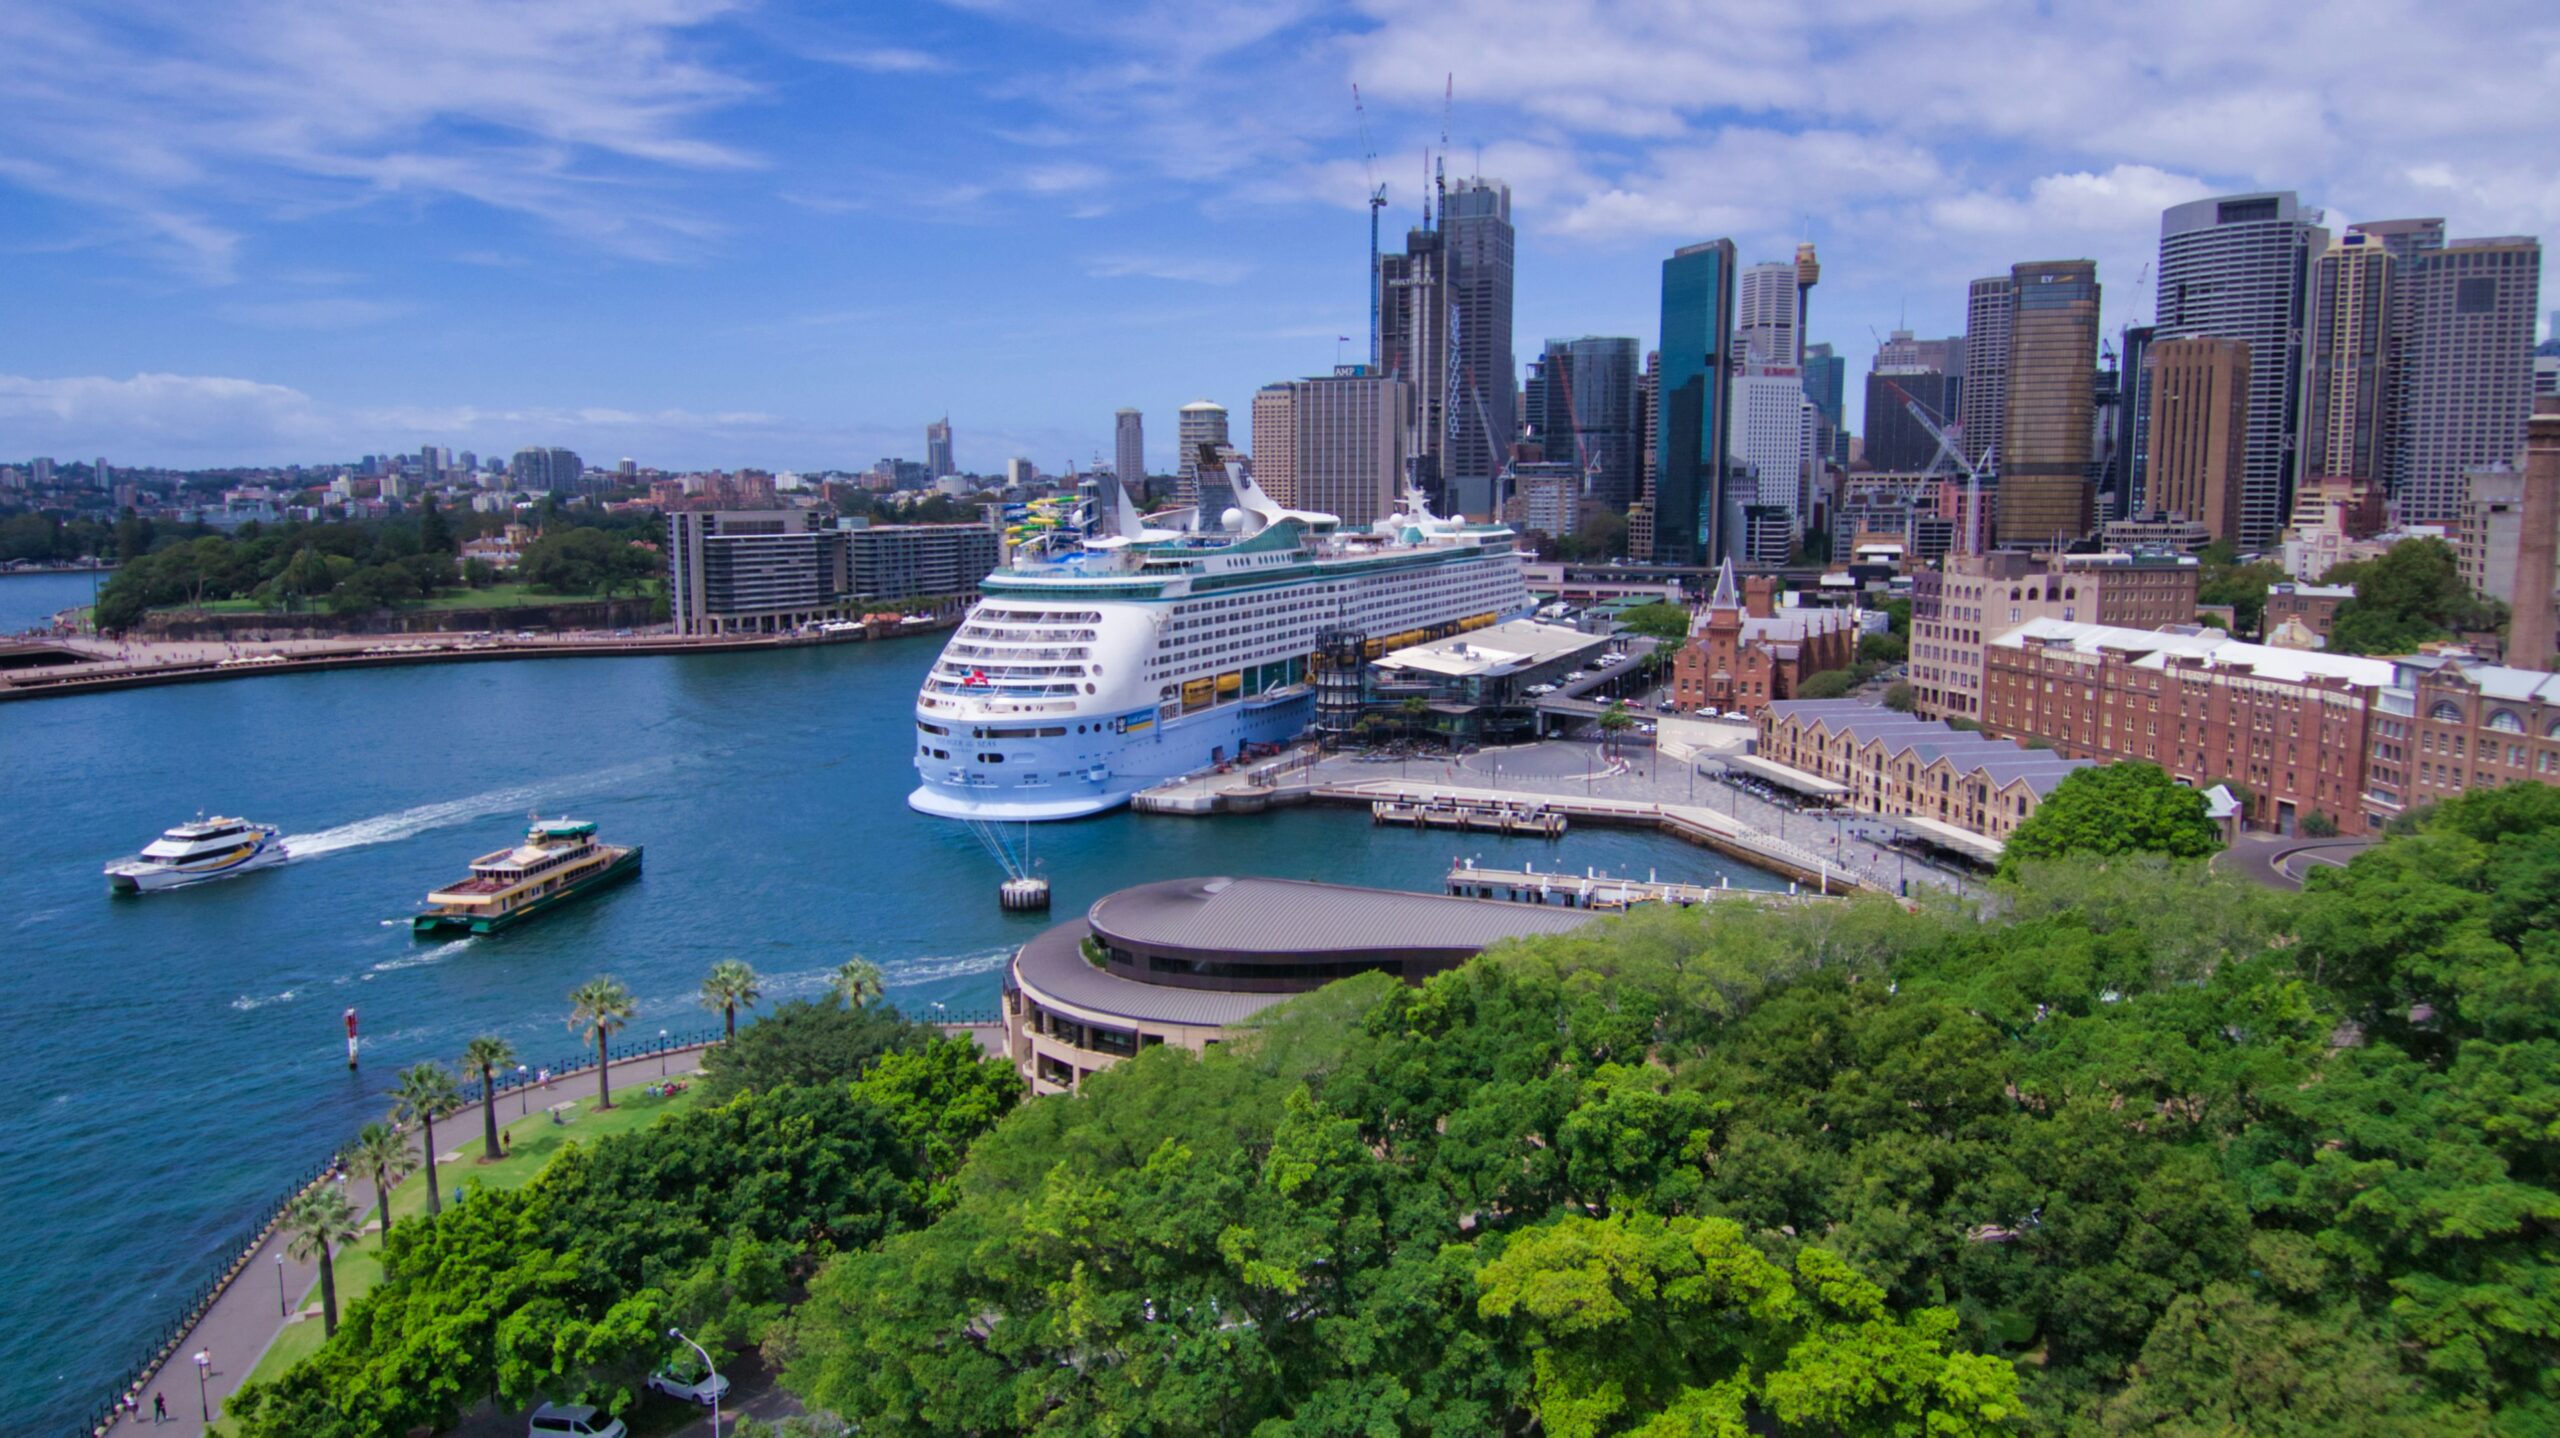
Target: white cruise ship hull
[1087, 784]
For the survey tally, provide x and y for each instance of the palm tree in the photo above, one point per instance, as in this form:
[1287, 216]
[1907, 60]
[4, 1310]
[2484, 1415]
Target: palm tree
[1415, 709]
[1614, 721]
[856, 981]
[317, 1224]
[599, 1006]
[379, 1156]
[730, 985]
[487, 1054]
[424, 1093]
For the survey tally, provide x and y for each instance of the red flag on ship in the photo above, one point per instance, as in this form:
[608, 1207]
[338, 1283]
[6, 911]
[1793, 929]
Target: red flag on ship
[976, 676]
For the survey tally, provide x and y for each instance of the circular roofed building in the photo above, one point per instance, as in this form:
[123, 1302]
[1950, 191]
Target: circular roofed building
[1182, 961]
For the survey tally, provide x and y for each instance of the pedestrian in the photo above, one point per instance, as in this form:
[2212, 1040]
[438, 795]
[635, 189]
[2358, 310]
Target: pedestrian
[159, 1409]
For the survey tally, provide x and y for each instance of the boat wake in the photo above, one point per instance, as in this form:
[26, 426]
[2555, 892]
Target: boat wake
[390, 828]
[423, 957]
[245, 1003]
[934, 970]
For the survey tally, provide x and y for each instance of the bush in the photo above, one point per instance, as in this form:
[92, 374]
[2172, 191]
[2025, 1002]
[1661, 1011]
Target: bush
[807, 1042]
[2316, 825]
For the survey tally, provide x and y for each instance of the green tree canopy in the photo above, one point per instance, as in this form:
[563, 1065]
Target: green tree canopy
[2410, 593]
[1663, 621]
[2108, 809]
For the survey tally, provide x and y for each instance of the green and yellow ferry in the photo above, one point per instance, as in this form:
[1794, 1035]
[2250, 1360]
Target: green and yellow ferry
[558, 861]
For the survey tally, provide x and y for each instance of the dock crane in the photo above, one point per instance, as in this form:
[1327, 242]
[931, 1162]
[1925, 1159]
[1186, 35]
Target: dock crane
[1377, 202]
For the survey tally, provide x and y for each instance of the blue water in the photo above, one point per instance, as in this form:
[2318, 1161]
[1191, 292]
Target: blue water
[179, 1057]
[28, 601]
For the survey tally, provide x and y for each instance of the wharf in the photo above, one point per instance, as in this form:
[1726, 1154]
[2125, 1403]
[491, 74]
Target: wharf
[1504, 817]
[1588, 890]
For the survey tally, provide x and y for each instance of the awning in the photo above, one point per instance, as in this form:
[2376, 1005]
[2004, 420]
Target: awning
[1963, 841]
[1786, 778]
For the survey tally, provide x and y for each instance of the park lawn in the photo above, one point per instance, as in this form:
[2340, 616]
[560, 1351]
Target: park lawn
[533, 1141]
[496, 596]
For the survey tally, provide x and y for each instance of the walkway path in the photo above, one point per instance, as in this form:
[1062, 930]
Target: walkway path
[2278, 861]
[244, 1321]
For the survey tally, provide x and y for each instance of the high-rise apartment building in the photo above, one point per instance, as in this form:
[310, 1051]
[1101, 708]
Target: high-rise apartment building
[1476, 225]
[1695, 520]
[937, 449]
[1351, 443]
[752, 571]
[2348, 353]
[1200, 422]
[2046, 434]
[1275, 441]
[1416, 310]
[552, 471]
[1129, 448]
[2199, 392]
[2466, 363]
[1983, 408]
[2239, 266]
[1764, 318]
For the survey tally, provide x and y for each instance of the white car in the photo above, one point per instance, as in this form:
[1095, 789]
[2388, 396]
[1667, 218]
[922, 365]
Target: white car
[575, 1420]
[1542, 689]
[703, 1390]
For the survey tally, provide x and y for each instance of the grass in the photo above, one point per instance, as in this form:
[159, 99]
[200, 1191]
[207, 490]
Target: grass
[534, 1139]
[496, 596]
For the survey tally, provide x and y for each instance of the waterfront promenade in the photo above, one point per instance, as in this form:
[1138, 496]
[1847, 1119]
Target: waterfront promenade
[247, 1318]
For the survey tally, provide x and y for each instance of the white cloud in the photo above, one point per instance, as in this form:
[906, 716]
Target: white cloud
[888, 60]
[1193, 270]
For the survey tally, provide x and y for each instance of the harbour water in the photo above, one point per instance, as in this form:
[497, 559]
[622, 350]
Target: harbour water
[29, 601]
[179, 1057]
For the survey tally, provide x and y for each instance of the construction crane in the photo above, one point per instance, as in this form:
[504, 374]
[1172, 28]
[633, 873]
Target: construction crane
[1950, 448]
[1377, 202]
[1439, 179]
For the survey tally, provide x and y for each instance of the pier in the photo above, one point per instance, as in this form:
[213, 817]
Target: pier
[1491, 817]
[1588, 890]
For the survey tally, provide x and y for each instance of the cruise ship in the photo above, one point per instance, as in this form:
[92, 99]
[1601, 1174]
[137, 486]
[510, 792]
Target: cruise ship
[1096, 666]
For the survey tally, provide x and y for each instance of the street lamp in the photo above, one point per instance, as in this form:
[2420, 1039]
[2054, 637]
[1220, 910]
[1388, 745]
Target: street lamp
[204, 1362]
[281, 1310]
[524, 1095]
[678, 1334]
[662, 1053]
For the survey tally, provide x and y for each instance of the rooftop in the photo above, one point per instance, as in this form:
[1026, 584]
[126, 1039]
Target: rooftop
[1501, 649]
[1296, 917]
[2210, 647]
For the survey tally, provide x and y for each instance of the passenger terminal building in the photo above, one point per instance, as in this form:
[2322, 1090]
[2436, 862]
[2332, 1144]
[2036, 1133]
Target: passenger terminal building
[1186, 960]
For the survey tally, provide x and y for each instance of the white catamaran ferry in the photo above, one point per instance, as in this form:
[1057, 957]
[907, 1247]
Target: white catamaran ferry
[193, 853]
[1085, 675]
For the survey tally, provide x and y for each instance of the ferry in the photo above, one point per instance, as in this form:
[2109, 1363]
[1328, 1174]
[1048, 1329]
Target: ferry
[193, 853]
[558, 861]
[1094, 666]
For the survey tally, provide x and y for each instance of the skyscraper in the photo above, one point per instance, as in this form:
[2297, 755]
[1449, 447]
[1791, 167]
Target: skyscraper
[2466, 362]
[1129, 449]
[1275, 441]
[1896, 442]
[1695, 521]
[2133, 424]
[1826, 383]
[1587, 413]
[1201, 422]
[1765, 311]
[2198, 388]
[1640, 546]
[937, 449]
[1983, 411]
[2348, 355]
[1769, 438]
[2045, 493]
[1477, 228]
[1414, 316]
[1351, 444]
[2239, 266]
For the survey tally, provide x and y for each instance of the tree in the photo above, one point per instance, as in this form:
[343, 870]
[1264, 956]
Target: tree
[317, 1223]
[2109, 809]
[1885, 648]
[1898, 697]
[730, 985]
[380, 1156]
[1615, 721]
[2407, 595]
[2223, 580]
[856, 983]
[434, 535]
[424, 1093]
[1829, 684]
[484, 1056]
[1664, 621]
[598, 1008]
[807, 1043]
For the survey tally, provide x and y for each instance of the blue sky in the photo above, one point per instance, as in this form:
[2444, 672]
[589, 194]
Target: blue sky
[722, 232]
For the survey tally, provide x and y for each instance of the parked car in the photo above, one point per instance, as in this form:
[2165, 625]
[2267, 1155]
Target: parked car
[1542, 689]
[574, 1420]
[685, 1379]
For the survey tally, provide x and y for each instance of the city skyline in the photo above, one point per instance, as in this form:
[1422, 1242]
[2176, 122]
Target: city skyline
[757, 236]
